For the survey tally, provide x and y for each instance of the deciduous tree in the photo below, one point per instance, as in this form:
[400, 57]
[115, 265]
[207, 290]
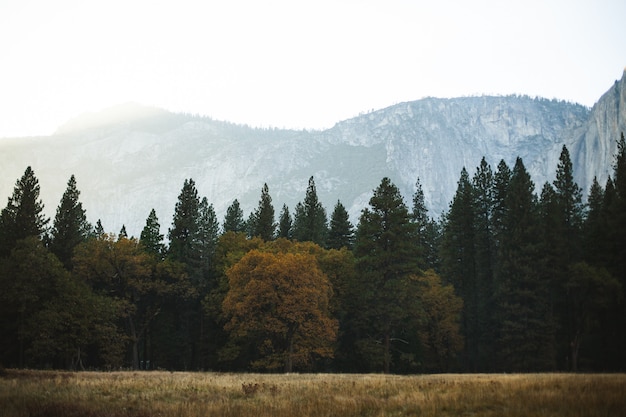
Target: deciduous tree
[281, 300]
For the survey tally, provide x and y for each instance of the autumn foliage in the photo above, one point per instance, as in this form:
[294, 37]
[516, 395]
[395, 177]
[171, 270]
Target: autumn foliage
[281, 302]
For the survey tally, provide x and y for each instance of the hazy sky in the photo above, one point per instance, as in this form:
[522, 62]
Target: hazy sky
[290, 63]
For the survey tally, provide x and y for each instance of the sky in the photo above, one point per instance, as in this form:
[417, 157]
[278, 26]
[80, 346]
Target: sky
[296, 64]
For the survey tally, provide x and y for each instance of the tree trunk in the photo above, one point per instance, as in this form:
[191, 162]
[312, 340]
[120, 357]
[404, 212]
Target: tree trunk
[575, 347]
[386, 352]
[289, 359]
[135, 339]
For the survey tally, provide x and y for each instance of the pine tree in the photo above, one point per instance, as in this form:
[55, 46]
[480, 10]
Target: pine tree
[234, 221]
[596, 227]
[122, 234]
[70, 225]
[284, 223]
[341, 232]
[482, 182]
[261, 222]
[617, 236]
[459, 263]
[385, 256]
[419, 216]
[151, 238]
[98, 230]
[501, 181]
[183, 235]
[571, 208]
[311, 223]
[23, 216]
[526, 330]
[208, 234]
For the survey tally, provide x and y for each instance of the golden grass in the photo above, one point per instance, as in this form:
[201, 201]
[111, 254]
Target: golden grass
[42, 393]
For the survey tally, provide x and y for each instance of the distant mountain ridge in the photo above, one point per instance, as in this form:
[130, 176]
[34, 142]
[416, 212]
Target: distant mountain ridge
[132, 158]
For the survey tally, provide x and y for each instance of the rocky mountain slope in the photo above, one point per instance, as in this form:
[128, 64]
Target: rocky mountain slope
[130, 159]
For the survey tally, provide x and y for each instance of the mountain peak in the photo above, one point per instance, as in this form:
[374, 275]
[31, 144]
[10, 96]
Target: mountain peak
[114, 116]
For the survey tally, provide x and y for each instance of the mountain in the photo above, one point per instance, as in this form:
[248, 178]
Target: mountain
[131, 158]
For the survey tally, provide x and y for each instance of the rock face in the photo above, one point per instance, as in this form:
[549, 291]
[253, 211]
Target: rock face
[131, 159]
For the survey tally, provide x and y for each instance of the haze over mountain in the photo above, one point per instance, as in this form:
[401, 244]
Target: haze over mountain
[131, 158]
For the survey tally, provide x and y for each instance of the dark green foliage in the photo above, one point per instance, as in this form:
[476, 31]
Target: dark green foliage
[526, 329]
[151, 238]
[385, 260]
[310, 222]
[233, 220]
[183, 235]
[284, 223]
[208, 234]
[459, 263]
[27, 280]
[261, 222]
[483, 184]
[98, 230]
[341, 232]
[70, 225]
[419, 216]
[595, 226]
[22, 217]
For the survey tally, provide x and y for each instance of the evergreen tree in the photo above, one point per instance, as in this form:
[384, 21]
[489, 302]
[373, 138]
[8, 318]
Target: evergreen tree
[459, 263]
[208, 234]
[501, 180]
[419, 216]
[122, 234]
[385, 256]
[617, 237]
[526, 331]
[23, 216]
[98, 230]
[261, 222]
[341, 233]
[151, 238]
[310, 224]
[571, 208]
[484, 252]
[27, 278]
[596, 227]
[234, 221]
[70, 225]
[284, 223]
[183, 235]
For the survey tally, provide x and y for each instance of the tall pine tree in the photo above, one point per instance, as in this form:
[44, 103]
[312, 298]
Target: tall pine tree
[385, 256]
[525, 325]
[261, 222]
[285, 223]
[151, 238]
[459, 263]
[23, 216]
[341, 232]
[233, 220]
[184, 233]
[70, 225]
[310, 222]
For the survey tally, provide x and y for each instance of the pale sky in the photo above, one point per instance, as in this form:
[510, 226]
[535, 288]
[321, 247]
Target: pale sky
[296, 64]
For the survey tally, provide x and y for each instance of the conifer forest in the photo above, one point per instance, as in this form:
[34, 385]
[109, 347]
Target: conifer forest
[509, 279]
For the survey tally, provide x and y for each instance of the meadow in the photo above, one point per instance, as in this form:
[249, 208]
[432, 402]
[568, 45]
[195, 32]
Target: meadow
[95, 394]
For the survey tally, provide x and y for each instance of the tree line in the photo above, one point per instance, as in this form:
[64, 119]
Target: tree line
[505, 280]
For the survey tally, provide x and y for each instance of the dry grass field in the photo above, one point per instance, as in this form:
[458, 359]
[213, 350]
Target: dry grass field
[91, 394]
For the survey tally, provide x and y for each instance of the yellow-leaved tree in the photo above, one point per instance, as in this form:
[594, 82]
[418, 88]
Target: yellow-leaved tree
[279, 301]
